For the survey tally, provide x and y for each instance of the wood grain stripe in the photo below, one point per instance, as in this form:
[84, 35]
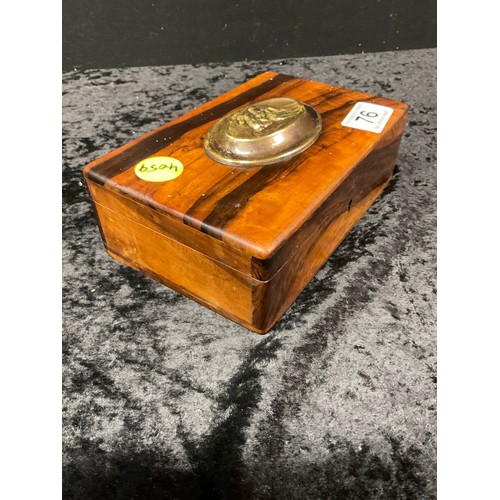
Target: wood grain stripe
[231, 205]
[370, 173]
[150, 145]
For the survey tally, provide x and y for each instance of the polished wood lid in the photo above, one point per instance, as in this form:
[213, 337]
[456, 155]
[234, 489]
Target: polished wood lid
[254, 209]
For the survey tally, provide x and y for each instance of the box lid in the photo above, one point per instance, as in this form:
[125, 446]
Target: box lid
[253, 210]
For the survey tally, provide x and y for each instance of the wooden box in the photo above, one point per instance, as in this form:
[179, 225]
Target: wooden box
[245, 242]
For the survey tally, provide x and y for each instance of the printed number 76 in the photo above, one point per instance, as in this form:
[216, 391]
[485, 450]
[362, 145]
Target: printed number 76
[370, 114]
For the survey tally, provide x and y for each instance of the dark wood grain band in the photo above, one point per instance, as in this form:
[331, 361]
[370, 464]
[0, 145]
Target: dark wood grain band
[150, 145]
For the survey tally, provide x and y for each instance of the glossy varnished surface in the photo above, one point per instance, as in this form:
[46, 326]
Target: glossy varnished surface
[302, 257]
[254, 210]
[244, 242]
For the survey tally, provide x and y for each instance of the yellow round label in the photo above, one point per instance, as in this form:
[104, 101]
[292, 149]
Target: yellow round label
[159, 169]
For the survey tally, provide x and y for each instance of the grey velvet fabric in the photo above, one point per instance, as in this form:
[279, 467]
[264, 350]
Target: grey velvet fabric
[166, 399]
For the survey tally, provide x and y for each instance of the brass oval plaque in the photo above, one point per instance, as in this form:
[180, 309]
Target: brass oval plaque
[263, 133]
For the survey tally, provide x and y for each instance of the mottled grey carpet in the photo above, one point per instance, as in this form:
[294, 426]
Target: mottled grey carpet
[165, 399]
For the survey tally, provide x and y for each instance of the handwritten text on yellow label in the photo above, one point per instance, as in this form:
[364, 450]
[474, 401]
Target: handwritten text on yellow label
[159, 169]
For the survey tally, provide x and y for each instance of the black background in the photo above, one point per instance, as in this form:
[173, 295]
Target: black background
[119, 33]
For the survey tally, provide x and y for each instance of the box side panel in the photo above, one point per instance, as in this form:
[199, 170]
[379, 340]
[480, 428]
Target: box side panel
[368, 174]
[273, 298]
[321, 234]
[178, 266]
[172, 228]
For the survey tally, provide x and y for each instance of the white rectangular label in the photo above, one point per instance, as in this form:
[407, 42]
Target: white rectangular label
[368, 116]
